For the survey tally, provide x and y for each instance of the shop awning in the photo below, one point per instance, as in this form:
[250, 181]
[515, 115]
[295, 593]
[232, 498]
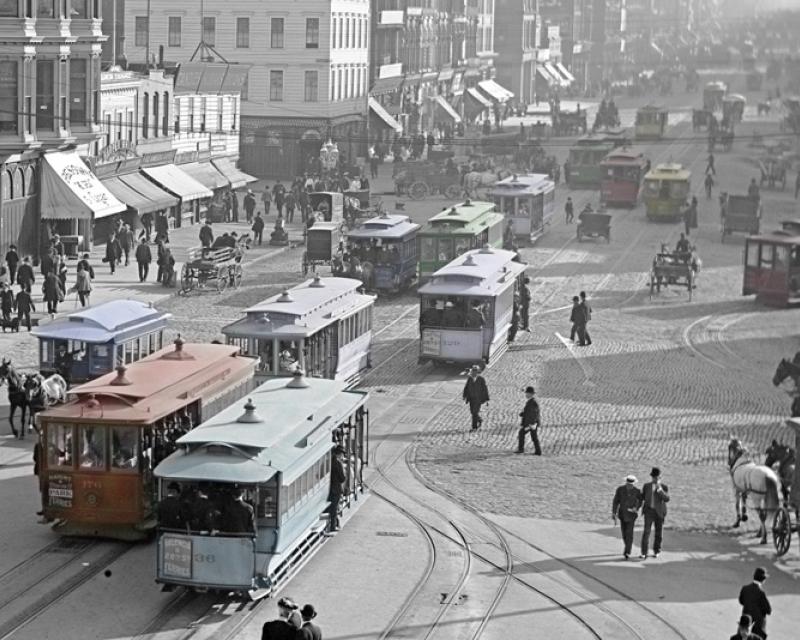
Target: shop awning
[128, 196]
[178, 182]
[495, 91]
[545, 75]
[150, 190]
[388, 120]
[205, 174]
[565, 72]
[473, 93]
[386, 85]
[235, 176]
[558, 78]
[71, 191]
[445, 106]
[445, 75]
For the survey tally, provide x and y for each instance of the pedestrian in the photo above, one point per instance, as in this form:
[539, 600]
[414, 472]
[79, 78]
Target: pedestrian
[84, 262]
[655, 496]
[373, 165]
[161, 254]
[168, 277]
[569, 209]
[576, 318]
[258, 228]
[525, 304]
[587, 316]
[278, 194]
[58, 246]
[24, 305]
[266, 198]
[126, 242]
[82, 286]
[796, 191]
[755, 603]
[754, 191]
[12, 261]
[47, 263]
[309, 630]
[284, 627]
[235, 207]
[743, 632]
[710, 165]
[206, 234]
[475, 394]
[61, 273]
[147, 226]
[566, 171]
[25, 275]
[529, 423]
[162, 226]
[6, 304]
[51, 291]
[113, 252]
[708, 183]
[338, 479]
[625, 506]
[290, 204]
[143, 259]
[249, 204]
[687, 220]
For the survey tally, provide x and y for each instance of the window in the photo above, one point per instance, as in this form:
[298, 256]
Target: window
[242, 33]
[130, 126]
[45, 97]
[203, 113]
[220, 104]
[146, 115]
[46, 9]
[141, 31]
[59, 445]
[245, 87]
[312, 33]
[311, 86]
[155, 114]
[80, 9]
[347, 32]
[9, 8]
[165, 115]
[125, 448]
[210, 30]
[8, 96]
[191, 115]
[276, 86]
[92, 443]
[276, 33]
[174, 37]
[77, 91]
[341, 29]
[108, 129]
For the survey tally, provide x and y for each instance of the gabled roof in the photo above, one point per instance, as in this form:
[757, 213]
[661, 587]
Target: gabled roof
[386, 226]
[479, 272]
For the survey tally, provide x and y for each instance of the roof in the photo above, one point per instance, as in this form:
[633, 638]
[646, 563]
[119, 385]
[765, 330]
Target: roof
[625, 155]
[532, 182]
[669, 171]
[104, 322]
[178, 182]
[206, 174]
[479, 272]
[786, 238]
[464, 213]
[385, 226]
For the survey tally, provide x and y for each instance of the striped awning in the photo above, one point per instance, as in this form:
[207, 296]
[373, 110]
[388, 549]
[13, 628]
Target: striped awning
[377, 108]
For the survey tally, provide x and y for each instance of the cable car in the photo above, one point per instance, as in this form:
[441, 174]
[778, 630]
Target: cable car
[453, 231]
[651, 123]
[623, 171]
[713, 93]
[527, 202]
[327, 206]
[466, 308]
[772, 267]
[586, 155]
[389, 244]
[665, 191]
[322, 327]
[276, 453]
[101, 447]
[99, 338]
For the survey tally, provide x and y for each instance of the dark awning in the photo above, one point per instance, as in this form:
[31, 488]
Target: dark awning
[150, 190]
[130, 197]
[386, 85]
[205, 174]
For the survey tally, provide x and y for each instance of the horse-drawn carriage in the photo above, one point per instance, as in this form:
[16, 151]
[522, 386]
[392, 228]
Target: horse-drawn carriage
[418, 179]
[723, 135]
[703, 118]
[713, 93]
[739, 213]
[678, 268]
[733, 108]
[783, 525]
[220, 267]
[594, 225]
[773, 172]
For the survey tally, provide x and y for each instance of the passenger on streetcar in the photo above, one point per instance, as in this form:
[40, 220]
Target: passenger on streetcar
[452, 316]
[170, 509]
[204, 514]
[238, 515]
[337, 490]
[475, 318]
[431, 316]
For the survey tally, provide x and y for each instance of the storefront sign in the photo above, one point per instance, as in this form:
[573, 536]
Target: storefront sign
[176, 554]
[59, 490]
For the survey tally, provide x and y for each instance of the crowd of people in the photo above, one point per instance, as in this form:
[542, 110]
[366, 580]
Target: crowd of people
[206, 509]
[292, 623]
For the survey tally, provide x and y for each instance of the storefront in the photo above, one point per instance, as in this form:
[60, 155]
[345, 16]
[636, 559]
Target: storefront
[19, 187]
[147, 198]
[190, 192]
[74, 201]
[380, 119]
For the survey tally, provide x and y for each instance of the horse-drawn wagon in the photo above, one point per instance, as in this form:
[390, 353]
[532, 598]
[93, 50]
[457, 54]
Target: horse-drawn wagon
[568, 123]
[678, 268]
[713, 93]
[594, 225]
[220, 267]
[702, 118]
[739, 213]
[789, 471]
[773, 172]
[419, 179]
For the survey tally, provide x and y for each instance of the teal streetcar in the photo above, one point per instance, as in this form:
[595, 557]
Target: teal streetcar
[257, 480]
[651, 123]
[587, 154]
[527, 202]
[465, 226]
[389, 244]
[466, 309]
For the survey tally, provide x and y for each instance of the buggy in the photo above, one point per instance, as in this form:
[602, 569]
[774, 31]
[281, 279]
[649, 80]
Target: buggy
[674, 268]
[740, 214]
[594, 225]
[221, 267]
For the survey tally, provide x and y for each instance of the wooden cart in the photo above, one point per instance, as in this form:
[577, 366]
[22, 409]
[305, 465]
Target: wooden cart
[739, 214]
[218, 267]
[594, 225]
[679, 269]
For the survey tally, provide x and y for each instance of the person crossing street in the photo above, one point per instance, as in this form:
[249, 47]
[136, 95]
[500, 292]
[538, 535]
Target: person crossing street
[529, 423]
[655, 496]
[475, 394]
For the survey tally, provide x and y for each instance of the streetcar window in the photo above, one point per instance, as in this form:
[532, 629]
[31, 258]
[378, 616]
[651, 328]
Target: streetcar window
[46, 352]
[59, 445]
[679, 189]
[136, 352]
[445, 250]
[264, 352]
[92, 442]
[781, 258]
[125, 448]
[427, 249]
[752, 255]
[766, 255]
[267, 508]
[129, 352]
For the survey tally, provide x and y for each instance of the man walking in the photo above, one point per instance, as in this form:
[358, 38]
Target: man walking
[281, 628]
[625, 506]
[12, 260]
[25, 275]
[309, 630]
[24, 305]
[655, 496]
[576, 318]
[206, 235]
[475, 394]
[126, 242]
[235, 206]
[743, 632]
[587, 316]
[249, 205]
[525, 304]
[278, 193]
[710, 165]
[529, 423]
[143, 259]
[755, 603]
[569, 209]
[258, 228]
[266, 198]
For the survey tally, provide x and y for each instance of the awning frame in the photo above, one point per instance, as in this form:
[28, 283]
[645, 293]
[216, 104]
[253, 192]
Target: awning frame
[384, 115]
[476, 95]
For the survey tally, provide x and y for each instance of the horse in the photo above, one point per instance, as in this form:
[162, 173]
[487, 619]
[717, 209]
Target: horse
[17, 397]
[483, 179]
[785, 457]
[790, 369]
[751, 478]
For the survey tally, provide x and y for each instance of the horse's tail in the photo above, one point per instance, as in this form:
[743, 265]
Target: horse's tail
[772, 497]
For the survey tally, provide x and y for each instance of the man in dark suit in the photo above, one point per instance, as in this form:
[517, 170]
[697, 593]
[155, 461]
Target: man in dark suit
[755, 603]
[239, 516]
[655, 496]
[587, 316]
[281, 628]
[626, 505]
[309, 630]
[338, 488]
[529, 423]
[743, 632]
[475, 394]
[170, 512]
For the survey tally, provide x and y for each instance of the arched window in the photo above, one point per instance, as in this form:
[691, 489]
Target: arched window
[146, 115]
[165, 115]
[30, 181]
[155, 114]
[18, 188]
[5, 186]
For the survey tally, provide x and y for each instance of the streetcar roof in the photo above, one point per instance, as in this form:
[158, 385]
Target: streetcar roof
[479, 272]
[784, 238]
[116, 320]
[217, 464]
[531, 183]
[626, 156]
[386, 226]
[463, 213]
[652, 108]
[670, 171]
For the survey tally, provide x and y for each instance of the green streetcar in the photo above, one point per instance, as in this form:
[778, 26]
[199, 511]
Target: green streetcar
[587, 154]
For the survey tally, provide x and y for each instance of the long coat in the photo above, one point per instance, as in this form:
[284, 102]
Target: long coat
[627, 502]
[51, 288]
[475, 390]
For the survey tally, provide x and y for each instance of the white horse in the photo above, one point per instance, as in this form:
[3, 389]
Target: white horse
[750, 478]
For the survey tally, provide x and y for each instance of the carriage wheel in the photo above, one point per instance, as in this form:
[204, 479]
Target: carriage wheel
[782, 531]
[187, 281]
[452, 191]
[238, 273]
[305, 263]
[223, 275]
[418, 190]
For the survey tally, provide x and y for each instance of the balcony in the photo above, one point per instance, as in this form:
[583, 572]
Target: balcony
[391, 19]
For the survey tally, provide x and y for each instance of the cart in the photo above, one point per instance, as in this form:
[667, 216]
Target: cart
[773, 172]
[679, 269]
[783, 524]
[594, 225]
[323, 241]
[218, 267]
[421, 179]
[739, 214]
[702, 118]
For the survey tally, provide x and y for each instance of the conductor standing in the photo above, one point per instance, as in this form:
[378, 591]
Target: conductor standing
[475, 395]
[530, 422]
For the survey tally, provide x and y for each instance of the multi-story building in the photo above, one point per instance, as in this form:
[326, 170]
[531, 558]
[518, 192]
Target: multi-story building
[307, 79]
[517, 40]
[49, 101]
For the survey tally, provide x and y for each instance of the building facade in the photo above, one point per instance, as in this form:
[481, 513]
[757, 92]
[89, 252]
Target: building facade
[517, 40]
[308, 69]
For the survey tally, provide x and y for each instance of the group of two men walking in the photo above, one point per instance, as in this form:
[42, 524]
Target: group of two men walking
[580, 316]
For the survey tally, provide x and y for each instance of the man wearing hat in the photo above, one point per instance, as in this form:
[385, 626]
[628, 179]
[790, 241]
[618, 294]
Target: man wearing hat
[626, 505]
[475, 394]
[654, 509]
[529, 423]
[170, 509]
[338, 479]
[755, 603]
[743, 633]
[309, 630]
[283, 628]
[249, 205]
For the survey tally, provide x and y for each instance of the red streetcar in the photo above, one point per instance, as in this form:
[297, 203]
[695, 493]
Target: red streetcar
[772, 267]
[101, 447]
[623, 171]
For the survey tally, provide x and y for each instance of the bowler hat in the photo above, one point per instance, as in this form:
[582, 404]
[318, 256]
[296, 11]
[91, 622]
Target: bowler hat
[631, 479]
[308, 611]
[529, 390]
[655, 472]
[287, 603]
[745, 621]
[760, 574]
